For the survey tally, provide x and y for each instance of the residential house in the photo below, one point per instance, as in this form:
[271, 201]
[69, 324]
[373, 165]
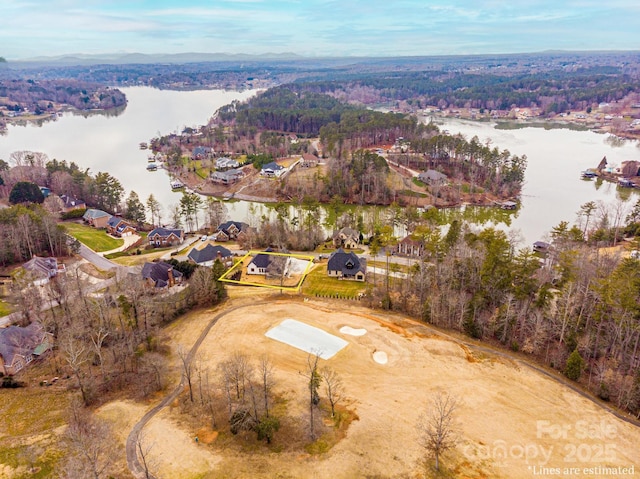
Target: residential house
[433, 178]
[96, 218]
[116, 226]
[70, 203]
[209, 254]
[227, 177]
[260, 263]
[20, 346]
[201, 152]
[165, 237]
[309, 160]
[43, 269]
[231, 230]
[272, 170]
[410, 246]
[161, 275]
[348, 266]
[226, 163]
[541, 247]
[347, 238]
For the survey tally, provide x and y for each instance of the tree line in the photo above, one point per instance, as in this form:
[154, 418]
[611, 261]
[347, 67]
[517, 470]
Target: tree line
[39, 95]
[554, 91]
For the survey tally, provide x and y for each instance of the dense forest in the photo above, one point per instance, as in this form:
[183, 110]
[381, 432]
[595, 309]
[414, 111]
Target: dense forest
[553, 92]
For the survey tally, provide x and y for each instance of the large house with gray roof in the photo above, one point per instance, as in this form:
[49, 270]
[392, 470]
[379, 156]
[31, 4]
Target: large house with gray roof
[165, 237]
[343, 265]
[209, 254]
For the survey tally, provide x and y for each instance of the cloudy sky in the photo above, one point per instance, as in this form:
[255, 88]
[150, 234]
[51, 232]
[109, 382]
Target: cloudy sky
[33, 28]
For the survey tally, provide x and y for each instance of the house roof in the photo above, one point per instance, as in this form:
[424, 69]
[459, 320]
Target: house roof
[15, 340]
[229, 174]
[432, 175]
[347, 232]
[201, 150]
[93, 214]
[42, 266]
[114, 221]
[410, 240]
[159, 273]
[208, 253]
[273, 166]
[238, 224]
[72, 202]
[309, 157]
[349, 263]
[165, 232]
[262, 260]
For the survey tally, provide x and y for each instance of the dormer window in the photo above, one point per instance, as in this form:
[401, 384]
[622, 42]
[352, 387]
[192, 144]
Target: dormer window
[349, 264]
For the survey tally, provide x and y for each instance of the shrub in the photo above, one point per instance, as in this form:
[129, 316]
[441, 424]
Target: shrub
[73, 214]
[575, 363]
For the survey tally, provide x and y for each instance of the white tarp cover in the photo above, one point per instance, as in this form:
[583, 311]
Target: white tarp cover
[307, 338]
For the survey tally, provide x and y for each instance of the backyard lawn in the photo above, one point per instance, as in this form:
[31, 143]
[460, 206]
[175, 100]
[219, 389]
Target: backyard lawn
[5, 308]
[317, 283]
[97, 240]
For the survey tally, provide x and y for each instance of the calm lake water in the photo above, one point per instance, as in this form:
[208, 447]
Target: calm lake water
[104, 142]
[553, 191]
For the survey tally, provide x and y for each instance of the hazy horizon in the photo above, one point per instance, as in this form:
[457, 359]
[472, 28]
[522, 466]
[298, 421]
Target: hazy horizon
[315, 28]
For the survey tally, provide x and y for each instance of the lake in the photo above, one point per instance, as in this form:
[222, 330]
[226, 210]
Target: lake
[553, 191]
[107, 142]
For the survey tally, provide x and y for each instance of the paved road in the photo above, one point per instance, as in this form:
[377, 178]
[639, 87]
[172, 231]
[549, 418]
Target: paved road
[95, 259]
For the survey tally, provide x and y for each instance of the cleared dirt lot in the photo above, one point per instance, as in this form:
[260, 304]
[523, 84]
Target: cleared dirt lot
[514, 422]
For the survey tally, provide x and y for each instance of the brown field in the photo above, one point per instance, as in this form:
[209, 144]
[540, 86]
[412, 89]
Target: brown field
[508, 417]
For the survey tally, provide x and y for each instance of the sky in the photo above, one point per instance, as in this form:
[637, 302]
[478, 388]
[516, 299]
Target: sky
[315, 28]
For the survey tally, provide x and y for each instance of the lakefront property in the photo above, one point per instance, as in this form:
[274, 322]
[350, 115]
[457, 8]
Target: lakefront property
[248, 339]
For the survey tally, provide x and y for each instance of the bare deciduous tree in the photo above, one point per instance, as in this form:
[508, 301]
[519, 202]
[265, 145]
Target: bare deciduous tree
[92, 444]
[187, 368]
[143, 449]
[332, 387]
[437, 426]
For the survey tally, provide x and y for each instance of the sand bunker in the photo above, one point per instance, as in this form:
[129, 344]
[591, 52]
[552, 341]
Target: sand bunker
[352, 331]
[380, 357]
[307, 338]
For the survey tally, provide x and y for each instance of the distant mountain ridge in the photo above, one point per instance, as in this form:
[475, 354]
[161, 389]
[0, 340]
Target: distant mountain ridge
[143, 58]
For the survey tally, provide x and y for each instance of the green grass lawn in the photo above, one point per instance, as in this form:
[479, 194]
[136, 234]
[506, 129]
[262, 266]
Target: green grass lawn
[318, 283]
[97, 240]
[5, 308]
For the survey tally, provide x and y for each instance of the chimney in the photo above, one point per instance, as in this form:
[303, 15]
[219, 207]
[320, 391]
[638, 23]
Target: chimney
[170, 281]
